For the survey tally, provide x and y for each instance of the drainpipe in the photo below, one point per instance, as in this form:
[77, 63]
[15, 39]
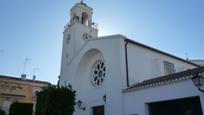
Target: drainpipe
[126, 62]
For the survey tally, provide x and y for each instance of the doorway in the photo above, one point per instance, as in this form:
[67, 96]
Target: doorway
[185, 106]
[98, 110]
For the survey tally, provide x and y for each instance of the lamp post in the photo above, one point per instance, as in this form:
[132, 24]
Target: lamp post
[198, 81]
[80, 105]
[104, 98]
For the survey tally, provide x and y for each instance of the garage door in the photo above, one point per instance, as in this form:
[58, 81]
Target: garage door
[185, 106]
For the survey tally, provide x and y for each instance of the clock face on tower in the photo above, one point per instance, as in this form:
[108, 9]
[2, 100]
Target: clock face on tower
[85, 36]
[98, 73]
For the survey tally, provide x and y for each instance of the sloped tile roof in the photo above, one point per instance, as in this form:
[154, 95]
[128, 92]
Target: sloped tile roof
[166, 79]
[20, 79]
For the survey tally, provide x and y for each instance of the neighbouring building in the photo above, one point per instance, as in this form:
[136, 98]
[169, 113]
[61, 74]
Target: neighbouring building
[199, 62]
[13, 89]
[114, 75]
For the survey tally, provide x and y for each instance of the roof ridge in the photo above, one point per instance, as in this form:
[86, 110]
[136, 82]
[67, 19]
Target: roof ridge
[26, 80]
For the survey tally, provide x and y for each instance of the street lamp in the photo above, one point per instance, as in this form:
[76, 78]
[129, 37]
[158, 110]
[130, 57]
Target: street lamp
[80, 105]
[198, 81]
[104, 98]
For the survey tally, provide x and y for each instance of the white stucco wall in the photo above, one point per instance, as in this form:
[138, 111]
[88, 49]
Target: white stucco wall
[136, 101]
[110, 50]
[145, 64]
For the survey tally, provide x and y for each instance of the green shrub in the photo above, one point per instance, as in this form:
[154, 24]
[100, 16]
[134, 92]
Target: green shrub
[21, 109]
[2, 112]
[55, 100]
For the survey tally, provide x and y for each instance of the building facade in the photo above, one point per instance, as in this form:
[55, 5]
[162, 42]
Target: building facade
[18, 90]
[199, 62]
[110, 73]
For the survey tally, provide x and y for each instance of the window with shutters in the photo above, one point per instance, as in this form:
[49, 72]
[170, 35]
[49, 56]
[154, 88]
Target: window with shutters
[168, 68]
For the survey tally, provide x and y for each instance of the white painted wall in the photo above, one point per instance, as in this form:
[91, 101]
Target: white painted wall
[111, 49]
[77, 73]
[136, 101]
[145, 64]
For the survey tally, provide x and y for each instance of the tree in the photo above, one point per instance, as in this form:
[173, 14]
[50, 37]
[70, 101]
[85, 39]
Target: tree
[55, 100]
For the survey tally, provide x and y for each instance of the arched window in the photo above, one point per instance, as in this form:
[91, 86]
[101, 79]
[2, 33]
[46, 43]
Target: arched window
[84, 18]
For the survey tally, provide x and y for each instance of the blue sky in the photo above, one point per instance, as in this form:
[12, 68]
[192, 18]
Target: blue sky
[33, 29]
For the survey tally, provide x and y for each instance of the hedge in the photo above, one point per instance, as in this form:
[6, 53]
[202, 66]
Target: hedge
[55, 100]
[2, 112]
[21, 109]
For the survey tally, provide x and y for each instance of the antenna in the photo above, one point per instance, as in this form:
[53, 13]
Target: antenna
[24, 64]
[34, 70]
[186, 56]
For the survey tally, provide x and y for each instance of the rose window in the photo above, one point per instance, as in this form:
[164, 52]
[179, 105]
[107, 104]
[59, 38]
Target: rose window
[98, 73]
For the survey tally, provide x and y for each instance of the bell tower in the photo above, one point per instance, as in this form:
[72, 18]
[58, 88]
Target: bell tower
[78, 31]
[81, 13]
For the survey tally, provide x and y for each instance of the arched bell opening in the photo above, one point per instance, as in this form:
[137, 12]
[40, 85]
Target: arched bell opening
[85, 18]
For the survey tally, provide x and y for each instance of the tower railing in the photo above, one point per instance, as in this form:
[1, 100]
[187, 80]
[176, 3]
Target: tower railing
[94, 25]
[77, 20]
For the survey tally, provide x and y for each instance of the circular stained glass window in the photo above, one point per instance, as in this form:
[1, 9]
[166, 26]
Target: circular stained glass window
[98, 73]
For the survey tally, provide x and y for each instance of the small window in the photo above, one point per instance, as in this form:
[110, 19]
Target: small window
[68, 38]
[18, 89]
[168, 68]
[67, 55]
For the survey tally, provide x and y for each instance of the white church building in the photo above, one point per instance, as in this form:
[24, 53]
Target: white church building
[114, 75]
